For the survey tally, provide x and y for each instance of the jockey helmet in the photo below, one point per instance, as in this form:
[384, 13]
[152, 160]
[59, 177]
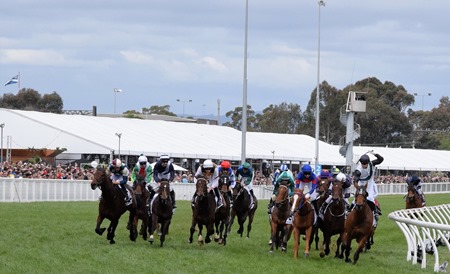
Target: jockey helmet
[364, 159]
[325, 174]
[142, 159]
[225, 165]
[306, 168]
[94, 164]
[336, 171]
[117, 162]
[164, 157]
[246, 165]
[284, 167]
[415, 180]
[341, 177]
[208, 164]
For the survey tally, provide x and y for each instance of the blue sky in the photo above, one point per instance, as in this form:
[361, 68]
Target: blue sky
[158, 51]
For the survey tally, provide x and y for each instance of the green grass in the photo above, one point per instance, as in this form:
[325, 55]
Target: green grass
[59, 237]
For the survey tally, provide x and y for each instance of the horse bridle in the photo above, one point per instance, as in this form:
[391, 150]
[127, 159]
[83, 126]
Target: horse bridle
[285, 199]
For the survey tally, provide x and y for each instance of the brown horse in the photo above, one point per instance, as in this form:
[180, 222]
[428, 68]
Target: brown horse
[142, 194]
[241, 209]
[412, 198]
[358, 225]
[280, 230]
[203, 212]
[161, 209]
[303, 222]
[323, 191]
[112, 206]
[333, 219]
[222, 218]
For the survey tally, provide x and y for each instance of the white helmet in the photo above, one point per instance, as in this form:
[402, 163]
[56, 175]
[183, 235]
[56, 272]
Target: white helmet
[208, 164]
[284, 167]
[94, 164]
[164, 157]
[142, 159]
[341, 177]
[117, 162]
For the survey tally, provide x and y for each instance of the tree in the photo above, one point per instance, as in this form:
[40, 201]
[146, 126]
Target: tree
[236, 118]
[161, 110]
[283, 118]
[30, 99]
[51, 103]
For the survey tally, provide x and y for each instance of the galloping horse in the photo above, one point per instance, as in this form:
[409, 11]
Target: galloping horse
[412, 198]
[161, 206]
[303, 222]
[358, 225]
[322, 190]
[241, 209]
[280, 230]
[112, 206]
[223, 214]
[333, 219]
[203, 211]
[142, 194]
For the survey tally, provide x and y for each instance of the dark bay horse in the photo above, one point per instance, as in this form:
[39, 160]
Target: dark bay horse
[161, 206]
[333, 219]
[358, 225]
[241, 209]
[303, 222]
[222, 218]
[322, 190]
[412, 198]
[280, 230]
[142, 194]
[203, 212]
[112, 206]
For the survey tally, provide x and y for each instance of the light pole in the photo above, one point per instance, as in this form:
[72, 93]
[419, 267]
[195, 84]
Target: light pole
[2, 125]
[119, 135]
[244, 92]
[321, 3]
[116, 90]
[423, 95]
[184, 102]
[273, 159]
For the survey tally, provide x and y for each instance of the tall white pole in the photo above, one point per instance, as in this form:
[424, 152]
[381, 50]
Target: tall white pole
[244, 93]
[321, 3]
[2, 125]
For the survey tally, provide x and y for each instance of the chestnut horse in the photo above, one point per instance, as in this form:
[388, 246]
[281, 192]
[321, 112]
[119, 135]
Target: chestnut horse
[333, 219]
[161, 207]
[280, 230]
[303, 222]
[223, 213]
[112, 206]
[412, 198]
[358, 225]
[142, 194]
[241, 209]
[203, 211]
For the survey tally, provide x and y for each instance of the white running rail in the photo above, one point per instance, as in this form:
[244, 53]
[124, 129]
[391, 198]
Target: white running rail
[424, 229]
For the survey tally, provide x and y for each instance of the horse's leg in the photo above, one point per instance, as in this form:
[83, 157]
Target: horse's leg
[133, 221]
[164, 228]
[250, 221]
[99, 230]
[361, 243]
[326, 244]
[192, 230]
[144, 226]
[338, 245]
[296, 241]
[200, 236]
[111, 230]
[231, 221]
[308, 234]
[216, 234]
[152, 227]
[209, 232]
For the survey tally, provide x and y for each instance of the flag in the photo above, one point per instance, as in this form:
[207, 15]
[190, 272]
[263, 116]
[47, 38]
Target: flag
[13, 80]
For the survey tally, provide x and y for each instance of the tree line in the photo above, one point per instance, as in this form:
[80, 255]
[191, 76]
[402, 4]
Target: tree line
[388, 120]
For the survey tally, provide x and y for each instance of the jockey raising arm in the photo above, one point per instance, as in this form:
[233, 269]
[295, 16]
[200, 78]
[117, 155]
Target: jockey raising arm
[143, 168]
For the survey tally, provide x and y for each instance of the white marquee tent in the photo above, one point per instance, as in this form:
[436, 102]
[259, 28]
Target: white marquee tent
[81, 134]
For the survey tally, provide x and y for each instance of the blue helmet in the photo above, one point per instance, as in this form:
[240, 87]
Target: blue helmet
[306, 168]
[284, 167]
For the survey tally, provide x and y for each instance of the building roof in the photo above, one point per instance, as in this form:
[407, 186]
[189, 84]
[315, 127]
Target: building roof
[97, 135]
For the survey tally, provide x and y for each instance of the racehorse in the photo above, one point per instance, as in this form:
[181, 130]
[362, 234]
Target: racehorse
[222, 218]
[333, 219]
[112, 206]
[203, 211]
[412, 198]
[241, 209]
[322, 190]
[358, 225]
[161, 209]
[279, 228]
[142, 194]
[303, 222]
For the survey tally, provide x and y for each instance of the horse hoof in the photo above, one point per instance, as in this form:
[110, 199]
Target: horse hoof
[100, 231]
[322, 254]
[208, 240]
[283, 249]
[306, 255]
[112, 242]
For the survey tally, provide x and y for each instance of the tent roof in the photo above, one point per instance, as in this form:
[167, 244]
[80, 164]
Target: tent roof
[97, 135]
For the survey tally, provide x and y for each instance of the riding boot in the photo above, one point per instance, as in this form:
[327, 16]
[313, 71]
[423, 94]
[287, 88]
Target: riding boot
[127, 199]
[269, 207]
[194, 197]
[230, 195]
[322, 210]
[172, 196]
[253, 199]
[422, 196]
[219, 199]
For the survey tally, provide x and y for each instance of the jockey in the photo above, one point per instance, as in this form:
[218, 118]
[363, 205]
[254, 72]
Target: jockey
[245, 175]
[325, 174]
[417, 182]
[163, 170]
[364, 176]
[286, 177]
[143, 168]
[275, 175]
[307, 178]
[225, 170]
[119, 176]
[346, 183]
[210, 172]
[265, 168]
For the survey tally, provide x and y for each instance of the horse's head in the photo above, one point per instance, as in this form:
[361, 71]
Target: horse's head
[237, 190]
[323, 186]
[99, 179]
[164, 191]
[411, 191]
[282, 196]
[360, 197]
[224, 183]
[336, 191]
[201, 187]
[139, 185]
